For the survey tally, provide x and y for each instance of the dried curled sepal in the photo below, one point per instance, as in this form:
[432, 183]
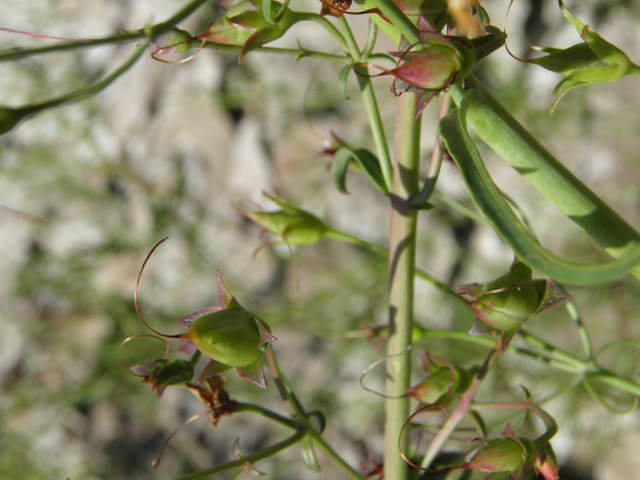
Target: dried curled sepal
[212, 393]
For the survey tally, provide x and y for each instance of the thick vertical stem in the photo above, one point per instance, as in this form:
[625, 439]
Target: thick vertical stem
[402, 245]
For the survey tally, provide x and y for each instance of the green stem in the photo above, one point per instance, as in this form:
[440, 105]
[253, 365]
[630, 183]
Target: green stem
[276, 417]
[19, 53]
[582, 329]
[402, 249]
[400, 23]
[294, 52]
[250, 459]
[436, 158]
[331, 28]
[337, 460]
[371, 104]
[299, 414]
[562, 361]
[13, 116]
[461, 410]
[184, 12]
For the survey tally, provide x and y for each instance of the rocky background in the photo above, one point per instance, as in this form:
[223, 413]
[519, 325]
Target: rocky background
[88, 189]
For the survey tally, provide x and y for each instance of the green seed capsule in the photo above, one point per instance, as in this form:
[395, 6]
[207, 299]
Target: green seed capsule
[507, 309]
[229, 336]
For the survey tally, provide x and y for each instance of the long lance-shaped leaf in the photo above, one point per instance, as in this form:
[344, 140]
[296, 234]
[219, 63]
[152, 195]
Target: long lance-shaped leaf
[493, 205]
[509, 139]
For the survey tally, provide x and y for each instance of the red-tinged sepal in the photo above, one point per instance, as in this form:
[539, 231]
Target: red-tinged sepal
[265, 335]
[226, 297]
[553, 295]
[212, 368]
[254, 372]
[188, 320]
[187, 346]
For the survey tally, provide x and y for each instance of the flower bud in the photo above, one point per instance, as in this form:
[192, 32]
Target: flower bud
[545, 463]
[294, 225]
[513, 299]
[594, 61]
[442, 61]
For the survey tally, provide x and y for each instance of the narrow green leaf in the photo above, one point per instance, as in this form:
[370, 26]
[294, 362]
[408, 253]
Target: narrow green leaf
[309, 454]
[492, 204]
[342, 80]
[365, 160]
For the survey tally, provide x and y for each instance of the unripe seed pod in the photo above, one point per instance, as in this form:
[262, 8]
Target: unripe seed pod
[230, 336]
[504, 304]
[504, 455]
[509, 308]
[175, 40]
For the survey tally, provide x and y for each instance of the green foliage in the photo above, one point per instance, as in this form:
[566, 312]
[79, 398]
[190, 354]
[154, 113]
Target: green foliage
[85, 208]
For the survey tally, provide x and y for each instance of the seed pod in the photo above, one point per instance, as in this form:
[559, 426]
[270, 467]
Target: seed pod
[230, 335]
[504, 304]
[443, 382]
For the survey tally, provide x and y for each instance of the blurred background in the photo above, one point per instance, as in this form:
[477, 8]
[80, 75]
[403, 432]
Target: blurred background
[88, 189]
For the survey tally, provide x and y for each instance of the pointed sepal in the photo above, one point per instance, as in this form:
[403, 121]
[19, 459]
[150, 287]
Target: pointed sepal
[212, 368]
[254, 372]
